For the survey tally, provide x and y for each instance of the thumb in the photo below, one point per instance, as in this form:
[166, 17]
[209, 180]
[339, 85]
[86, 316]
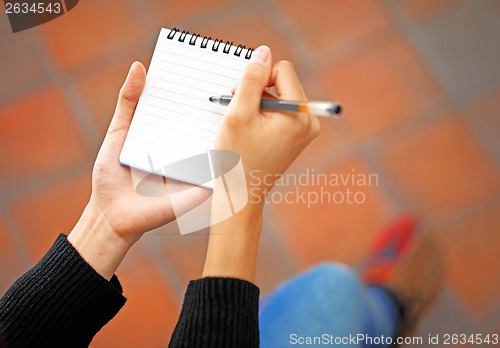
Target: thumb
[253, 82]
[128, 99]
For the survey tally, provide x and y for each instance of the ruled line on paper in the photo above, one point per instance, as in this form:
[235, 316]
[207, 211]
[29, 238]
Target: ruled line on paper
[179, 84]
[183, 94]
[202, 70]
[199, 60]
[198, 79]
[183, 104]
[179, 120]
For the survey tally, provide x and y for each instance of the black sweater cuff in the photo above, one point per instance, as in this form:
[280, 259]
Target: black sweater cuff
[218, 312]
[62, 301]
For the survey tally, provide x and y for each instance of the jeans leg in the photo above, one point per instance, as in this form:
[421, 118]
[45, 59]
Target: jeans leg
[327, 299]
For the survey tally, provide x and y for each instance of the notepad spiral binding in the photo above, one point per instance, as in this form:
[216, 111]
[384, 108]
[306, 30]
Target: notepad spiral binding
[205, 40]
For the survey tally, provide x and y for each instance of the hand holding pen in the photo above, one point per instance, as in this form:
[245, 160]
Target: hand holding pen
[319, 108]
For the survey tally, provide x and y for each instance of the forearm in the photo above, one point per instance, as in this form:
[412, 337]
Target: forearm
[233, 244]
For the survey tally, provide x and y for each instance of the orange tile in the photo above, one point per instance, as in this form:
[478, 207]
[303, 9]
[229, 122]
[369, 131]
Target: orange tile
[149, 315]
[422, 9]
[326, 142]
[41, 217]
[10, 265]
[441, 167]
[93, 28]
[100, 93]
[249, 29]
[329, 231]
[382, 88]
[177, 10]
[472, 251]
[38, 137]
[334, 24]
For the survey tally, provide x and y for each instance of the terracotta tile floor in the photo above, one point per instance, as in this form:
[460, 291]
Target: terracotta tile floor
[409, 118]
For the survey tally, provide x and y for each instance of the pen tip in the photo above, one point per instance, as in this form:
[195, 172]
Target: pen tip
[334, 109]
[211, 99]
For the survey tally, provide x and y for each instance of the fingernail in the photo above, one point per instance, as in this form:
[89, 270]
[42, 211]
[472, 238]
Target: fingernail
[261, 55]
[129, 71]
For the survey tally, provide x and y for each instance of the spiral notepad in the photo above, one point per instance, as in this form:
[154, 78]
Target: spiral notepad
[174, 119]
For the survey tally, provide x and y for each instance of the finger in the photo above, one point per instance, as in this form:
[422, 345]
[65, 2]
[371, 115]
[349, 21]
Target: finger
[235, 87]
[255, 78]
[286, 82]
[128, 99]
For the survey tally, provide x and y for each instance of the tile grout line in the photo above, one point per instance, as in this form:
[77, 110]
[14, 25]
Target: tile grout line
[481, 136]
[395, 201]
[80, 114]
[422, 52]
[370, 149]
[22, 91]
[47, 181]
[429, 61]
[287, 30]
[169, 276]
[464, 213]
[146, 14]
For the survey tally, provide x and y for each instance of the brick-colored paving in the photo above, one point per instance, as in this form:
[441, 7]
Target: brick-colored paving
[420, 84]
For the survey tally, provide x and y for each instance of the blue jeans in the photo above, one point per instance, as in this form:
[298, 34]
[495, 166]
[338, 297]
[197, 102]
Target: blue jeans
[326, 305]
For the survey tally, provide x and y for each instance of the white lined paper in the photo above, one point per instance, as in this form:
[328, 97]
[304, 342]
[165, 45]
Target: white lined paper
[174, 119]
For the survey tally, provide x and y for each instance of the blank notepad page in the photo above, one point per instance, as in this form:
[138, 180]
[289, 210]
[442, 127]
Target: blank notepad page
[174, 119]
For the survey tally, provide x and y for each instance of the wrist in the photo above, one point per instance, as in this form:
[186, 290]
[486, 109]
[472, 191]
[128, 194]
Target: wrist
[96, 241]
[233, 244]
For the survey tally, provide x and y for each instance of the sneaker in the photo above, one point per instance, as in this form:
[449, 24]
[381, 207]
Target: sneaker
[409, 265]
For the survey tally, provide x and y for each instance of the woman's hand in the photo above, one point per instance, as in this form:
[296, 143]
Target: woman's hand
[267, 143]
[116, 215]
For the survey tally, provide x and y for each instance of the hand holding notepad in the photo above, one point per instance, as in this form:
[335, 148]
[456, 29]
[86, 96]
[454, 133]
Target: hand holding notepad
[175, 119]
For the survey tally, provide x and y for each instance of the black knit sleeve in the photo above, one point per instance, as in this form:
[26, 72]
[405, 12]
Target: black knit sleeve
[61, 302]
[218, 312]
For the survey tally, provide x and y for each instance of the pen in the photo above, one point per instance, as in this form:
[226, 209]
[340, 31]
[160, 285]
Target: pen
[320, 108]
